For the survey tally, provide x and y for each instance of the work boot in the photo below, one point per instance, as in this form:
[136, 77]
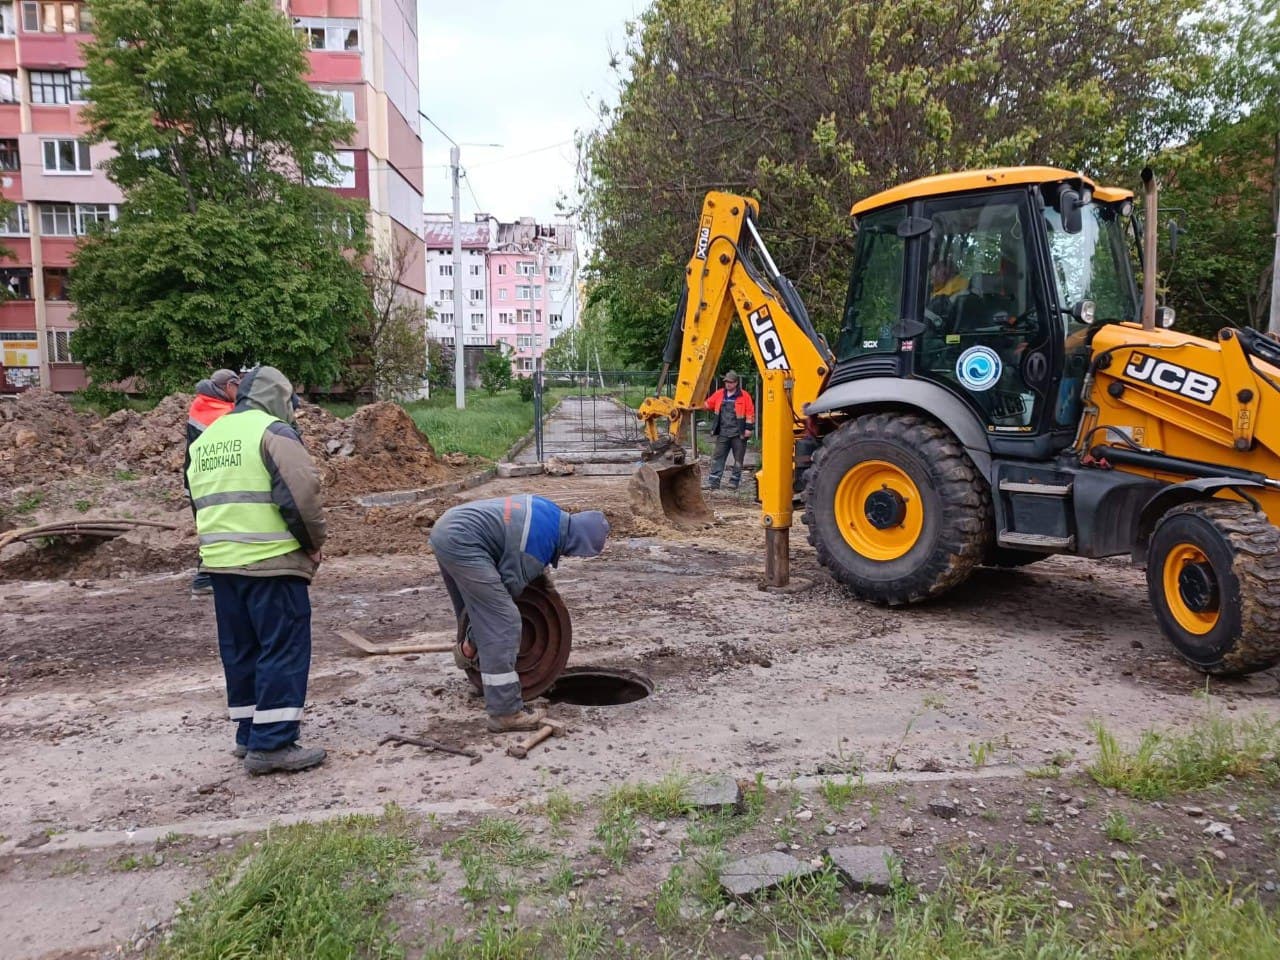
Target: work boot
[526, 719]
[291, 758]
[239, 751]
[201, 585]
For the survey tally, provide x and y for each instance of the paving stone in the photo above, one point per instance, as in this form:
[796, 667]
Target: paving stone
[718, 792]
[762, 872]
[862, 868]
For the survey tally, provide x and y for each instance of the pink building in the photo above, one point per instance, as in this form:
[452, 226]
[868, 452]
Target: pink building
[532, 295]
[363, 52]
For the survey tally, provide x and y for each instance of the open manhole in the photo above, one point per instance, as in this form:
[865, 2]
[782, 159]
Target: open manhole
[599, 687]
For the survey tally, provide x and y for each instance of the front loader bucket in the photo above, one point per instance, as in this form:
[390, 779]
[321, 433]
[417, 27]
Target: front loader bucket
[670, 494]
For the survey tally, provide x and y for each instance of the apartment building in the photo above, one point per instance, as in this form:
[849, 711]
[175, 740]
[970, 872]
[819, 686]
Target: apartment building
[364, 53]
[446, 294]
[529, 293]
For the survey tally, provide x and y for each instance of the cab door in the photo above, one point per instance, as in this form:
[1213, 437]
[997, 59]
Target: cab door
[988, 334]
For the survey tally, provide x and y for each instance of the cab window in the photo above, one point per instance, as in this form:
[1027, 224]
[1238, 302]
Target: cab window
[874, 303]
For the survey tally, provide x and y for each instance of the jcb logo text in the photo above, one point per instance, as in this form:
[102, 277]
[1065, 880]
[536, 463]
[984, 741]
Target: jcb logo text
[704, 239]
[767, 340]
[1169, 376]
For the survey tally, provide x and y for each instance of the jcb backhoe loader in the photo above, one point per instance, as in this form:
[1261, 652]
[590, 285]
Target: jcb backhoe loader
[1000, 393]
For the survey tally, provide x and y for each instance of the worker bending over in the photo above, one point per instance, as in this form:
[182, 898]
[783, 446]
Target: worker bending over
[489, 551]
[261, 525]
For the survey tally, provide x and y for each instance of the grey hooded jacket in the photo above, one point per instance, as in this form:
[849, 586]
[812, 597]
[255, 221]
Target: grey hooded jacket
[295, 482]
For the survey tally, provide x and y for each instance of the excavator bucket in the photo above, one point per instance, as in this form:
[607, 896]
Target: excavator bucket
[670, 493]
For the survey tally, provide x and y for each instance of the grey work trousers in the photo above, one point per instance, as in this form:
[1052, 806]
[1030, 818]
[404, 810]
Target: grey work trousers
[474, 585]
[738, 445]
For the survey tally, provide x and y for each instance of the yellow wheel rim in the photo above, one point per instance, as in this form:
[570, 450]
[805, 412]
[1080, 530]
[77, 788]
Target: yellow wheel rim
[879, 510]
[1189, 618]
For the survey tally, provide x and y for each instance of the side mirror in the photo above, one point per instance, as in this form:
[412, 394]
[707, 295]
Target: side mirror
[1165, 317]
[1083, 311]
[1069, 210]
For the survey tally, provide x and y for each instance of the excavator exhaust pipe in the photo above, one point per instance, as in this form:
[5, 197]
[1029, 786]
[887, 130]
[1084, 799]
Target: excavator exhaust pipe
[670, 493]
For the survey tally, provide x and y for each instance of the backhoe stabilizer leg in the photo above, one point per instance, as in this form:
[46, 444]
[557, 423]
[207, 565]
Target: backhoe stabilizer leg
[776, 475]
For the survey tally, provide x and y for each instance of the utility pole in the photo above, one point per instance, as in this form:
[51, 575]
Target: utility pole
[459, 348]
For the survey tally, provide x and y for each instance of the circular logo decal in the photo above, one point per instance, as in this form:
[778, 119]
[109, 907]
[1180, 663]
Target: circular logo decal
[979, 368]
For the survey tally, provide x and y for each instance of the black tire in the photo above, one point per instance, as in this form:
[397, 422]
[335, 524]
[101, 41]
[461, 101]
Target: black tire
[957, 528]
[1010, 558]
[1242, 550]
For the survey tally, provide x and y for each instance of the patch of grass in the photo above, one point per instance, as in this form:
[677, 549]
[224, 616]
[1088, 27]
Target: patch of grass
[561, 881]
[500, 840]
[659, 801]
[311, 890]
[1117, 828]
[980, 753]
[1036, 814]
[616, 833]
[1047, 772]
[83, 506]
[1167, 762]
[28, 502]
[129, 862]
[574, 936]
[560, 808]
[839, 794]
[124, 475]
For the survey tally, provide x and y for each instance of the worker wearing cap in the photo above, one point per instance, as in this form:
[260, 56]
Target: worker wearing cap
[735, 420]
[261, 526]
[488, 552]
[214, 397]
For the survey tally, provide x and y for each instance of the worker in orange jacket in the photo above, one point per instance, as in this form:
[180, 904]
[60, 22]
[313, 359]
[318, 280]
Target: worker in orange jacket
[735, 421]
[214, 397]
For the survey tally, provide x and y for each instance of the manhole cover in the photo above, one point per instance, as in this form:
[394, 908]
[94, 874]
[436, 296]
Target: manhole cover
[596, 687]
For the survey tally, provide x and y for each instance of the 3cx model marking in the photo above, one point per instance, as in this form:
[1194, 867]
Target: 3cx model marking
[1169, 376]
[704, 239]
[767, 340]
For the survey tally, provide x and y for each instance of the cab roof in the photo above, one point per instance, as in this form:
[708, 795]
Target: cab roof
[967, 180]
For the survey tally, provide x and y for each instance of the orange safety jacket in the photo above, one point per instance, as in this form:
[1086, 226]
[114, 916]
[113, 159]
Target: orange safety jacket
[743, 406]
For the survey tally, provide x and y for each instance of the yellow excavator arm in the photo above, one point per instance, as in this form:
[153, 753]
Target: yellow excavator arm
[731, 274]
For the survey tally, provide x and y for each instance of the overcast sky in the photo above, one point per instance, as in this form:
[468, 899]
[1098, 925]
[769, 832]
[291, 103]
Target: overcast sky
[526, 74]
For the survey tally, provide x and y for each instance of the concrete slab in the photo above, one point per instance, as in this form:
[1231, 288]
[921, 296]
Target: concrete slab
[715, 793]
[863, 869]
[507, 471]
[752, 876]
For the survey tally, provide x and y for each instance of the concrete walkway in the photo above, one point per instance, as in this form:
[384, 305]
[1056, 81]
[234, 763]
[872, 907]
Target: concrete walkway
[595, 432]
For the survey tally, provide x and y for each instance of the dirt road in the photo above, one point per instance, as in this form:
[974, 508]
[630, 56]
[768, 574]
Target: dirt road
[112, 709]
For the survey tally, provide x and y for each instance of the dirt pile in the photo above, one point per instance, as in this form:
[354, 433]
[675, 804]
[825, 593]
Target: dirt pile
[377, 448]
[41, 438]
[151, 443]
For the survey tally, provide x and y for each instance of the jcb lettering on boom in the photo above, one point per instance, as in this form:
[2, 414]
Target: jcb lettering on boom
[767, 339]
[1169, 376]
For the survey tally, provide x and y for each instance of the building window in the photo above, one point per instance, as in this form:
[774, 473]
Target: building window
[59, 86]
[524, 341]
[554, 271]
[323, 33]
[9, 157]
[59, 346]
[555, 320]
[502, 269]
[504, 316]
[9, 86]
[447, 319]
[66, 156]
[446, 341]
[474, 269]
[16, 225]
[526, 268]
[524, 316]
[58, 219]
[340, 173]
[475, 341]
[447, 295]
[477, 321]
[16, 282]
[92, 215]
[523, 293]
[446, 269]
[7, 23]
[55, 283]
[502, 293]
[346, 101]
[43, 16]
[477, 296]
[526, 364]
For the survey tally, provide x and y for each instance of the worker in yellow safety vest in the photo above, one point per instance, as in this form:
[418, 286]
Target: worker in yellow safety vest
[260, 523]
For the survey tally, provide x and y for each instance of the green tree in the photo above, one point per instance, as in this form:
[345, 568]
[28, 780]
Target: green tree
[495, 370]
[810, 106]
[390, 344]
[229, 249]
[588, 345]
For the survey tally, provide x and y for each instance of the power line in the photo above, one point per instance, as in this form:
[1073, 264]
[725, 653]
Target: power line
[527, 153]
[437, 126]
